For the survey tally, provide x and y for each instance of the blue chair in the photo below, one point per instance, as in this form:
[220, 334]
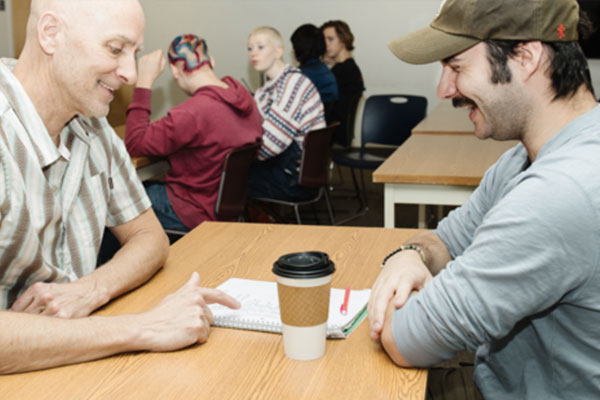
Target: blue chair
[387, 120]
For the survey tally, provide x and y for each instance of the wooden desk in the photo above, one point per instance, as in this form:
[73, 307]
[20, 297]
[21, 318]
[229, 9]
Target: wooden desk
[441, 169]
[446, 119]
[146, 167]
[237, 364]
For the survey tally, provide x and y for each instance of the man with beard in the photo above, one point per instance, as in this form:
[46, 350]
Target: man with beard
[513, 274]
[64, 176]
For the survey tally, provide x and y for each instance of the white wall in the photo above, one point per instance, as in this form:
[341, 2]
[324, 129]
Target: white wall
[6, 31]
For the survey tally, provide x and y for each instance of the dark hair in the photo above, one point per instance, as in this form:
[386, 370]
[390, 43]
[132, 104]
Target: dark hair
[568, 65]
[308, 42]
[343, 31]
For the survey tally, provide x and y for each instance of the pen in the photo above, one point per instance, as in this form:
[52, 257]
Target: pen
[344, 307]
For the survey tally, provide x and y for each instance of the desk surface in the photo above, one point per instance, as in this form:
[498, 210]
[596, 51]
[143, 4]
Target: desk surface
[442, 159]
[446, 119]
[237, 364]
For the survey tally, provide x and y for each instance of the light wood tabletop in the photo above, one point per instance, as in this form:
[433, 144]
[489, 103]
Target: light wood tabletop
[238, 364]
[442, 169]
[445, 119]
[441, 160]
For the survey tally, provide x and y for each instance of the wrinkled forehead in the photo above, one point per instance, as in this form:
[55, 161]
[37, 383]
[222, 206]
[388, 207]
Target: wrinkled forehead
[98, 18]
[85, 7]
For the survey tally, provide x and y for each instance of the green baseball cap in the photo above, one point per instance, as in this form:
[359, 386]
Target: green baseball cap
[461, 24]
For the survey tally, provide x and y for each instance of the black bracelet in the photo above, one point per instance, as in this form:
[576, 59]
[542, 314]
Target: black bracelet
[415, 247]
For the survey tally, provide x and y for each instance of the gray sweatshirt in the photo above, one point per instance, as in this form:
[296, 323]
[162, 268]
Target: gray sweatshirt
[523, 288]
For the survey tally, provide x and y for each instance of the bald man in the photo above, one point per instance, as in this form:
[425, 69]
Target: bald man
[64, 177]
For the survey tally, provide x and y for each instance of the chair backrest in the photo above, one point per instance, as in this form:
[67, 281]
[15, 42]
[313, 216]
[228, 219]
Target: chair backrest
[345, 112]
[389, 118]
[314, 166]
[233, 188]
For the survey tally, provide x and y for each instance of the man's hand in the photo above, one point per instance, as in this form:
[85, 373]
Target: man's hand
[150, 66]
[402, 274]
[65, 300]
[182, 318]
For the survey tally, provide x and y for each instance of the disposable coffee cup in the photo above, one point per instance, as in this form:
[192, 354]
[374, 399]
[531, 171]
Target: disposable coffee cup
[303, 287]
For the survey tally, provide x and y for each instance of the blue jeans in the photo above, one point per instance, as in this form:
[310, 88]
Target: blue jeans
[157, 192]
[277, 178]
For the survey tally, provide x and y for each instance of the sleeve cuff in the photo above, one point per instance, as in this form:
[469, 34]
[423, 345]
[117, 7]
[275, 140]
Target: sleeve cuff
[141, 99]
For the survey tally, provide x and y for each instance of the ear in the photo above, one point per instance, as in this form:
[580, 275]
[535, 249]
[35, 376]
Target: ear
[174, 70]
[47, 30]
[529, 57]
[279, 52]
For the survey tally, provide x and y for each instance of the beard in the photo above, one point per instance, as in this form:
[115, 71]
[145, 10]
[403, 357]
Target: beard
[505, 116]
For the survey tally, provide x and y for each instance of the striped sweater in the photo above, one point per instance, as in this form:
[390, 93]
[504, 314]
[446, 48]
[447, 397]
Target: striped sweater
[290, 106]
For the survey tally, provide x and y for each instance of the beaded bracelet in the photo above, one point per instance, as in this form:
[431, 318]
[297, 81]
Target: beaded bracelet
[415, 247]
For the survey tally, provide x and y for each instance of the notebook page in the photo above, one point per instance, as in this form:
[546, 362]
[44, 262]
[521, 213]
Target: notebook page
[260, 307]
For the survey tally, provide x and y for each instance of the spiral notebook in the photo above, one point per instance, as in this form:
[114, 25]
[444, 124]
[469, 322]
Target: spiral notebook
[260, 308]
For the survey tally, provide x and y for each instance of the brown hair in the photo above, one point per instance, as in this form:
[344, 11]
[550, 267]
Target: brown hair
[342, 30]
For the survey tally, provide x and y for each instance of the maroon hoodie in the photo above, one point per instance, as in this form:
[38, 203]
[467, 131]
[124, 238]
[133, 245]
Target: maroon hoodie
[195, 136]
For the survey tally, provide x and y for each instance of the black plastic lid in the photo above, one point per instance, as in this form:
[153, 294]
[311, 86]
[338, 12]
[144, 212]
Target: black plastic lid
[304, 265]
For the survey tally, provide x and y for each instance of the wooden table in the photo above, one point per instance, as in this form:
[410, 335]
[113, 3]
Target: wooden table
[146, 167]
[441, 169]
[237, 364]
[446, 119]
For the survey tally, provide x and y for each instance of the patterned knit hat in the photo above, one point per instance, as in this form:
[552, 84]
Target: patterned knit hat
[190, 49]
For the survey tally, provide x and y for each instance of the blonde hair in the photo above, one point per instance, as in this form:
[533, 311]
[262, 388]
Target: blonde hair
[271, 32]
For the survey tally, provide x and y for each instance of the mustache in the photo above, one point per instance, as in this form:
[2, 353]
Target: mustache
[462, 101]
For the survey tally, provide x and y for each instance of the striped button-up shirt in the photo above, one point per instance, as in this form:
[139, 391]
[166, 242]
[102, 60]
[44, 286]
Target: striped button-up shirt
[56, 201]
[290, 106]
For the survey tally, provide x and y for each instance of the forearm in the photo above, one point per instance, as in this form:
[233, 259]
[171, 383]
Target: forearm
[435, 251]
[32, 342]
[411, 337]
[405, 270]
[387, 339]
[138, 121]
[163, 137]
[136, 262]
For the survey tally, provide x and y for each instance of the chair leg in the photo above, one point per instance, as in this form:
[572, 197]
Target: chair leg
[357, 190]
[363, 207]
[340, 175]
[297, 214]
[364, 190]
[329, 208]
[314, 208]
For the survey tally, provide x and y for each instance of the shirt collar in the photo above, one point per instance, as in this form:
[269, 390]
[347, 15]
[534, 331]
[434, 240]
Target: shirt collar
[43, 145]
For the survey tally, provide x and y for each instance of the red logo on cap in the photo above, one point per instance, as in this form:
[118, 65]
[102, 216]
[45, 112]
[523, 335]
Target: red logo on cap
[561, 31]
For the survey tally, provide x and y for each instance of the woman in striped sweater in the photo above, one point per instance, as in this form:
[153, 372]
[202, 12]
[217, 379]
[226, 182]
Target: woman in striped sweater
[290, 106]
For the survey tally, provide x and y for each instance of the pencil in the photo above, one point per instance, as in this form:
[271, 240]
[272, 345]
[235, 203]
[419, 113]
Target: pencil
[344, 307]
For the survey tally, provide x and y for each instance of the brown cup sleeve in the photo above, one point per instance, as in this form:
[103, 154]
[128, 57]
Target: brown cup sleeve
[303, 306]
